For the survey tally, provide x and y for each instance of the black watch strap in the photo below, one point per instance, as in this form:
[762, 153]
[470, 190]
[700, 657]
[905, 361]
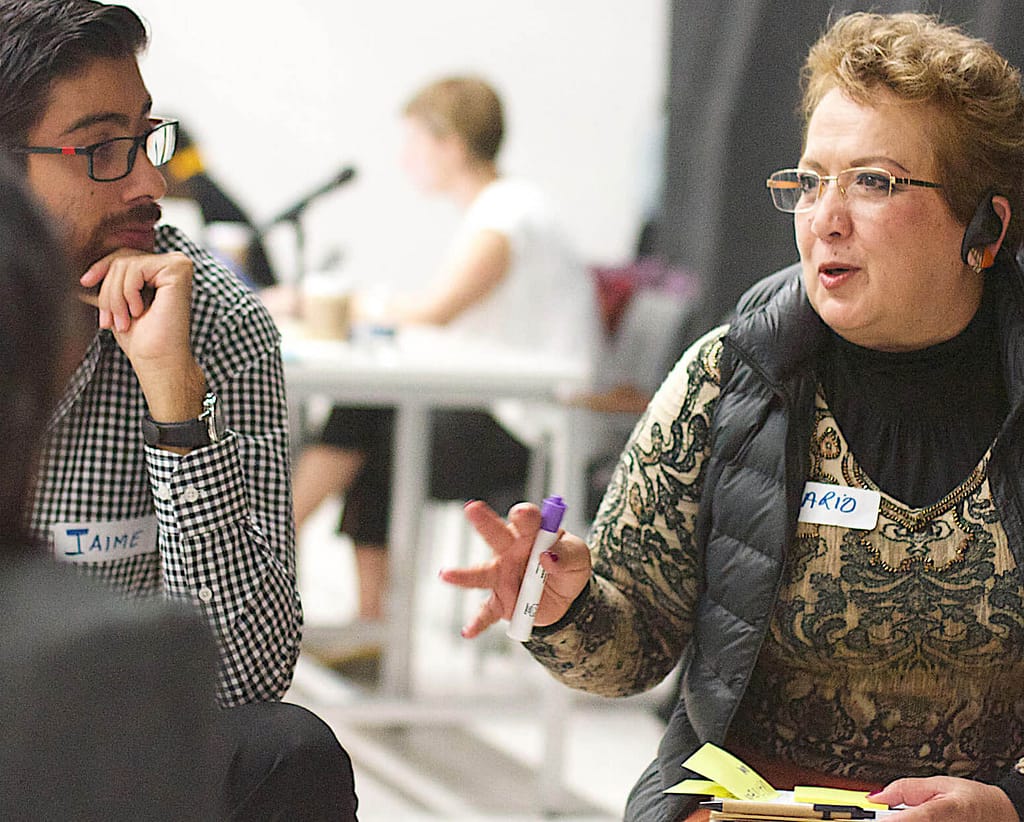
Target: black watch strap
[205, 429]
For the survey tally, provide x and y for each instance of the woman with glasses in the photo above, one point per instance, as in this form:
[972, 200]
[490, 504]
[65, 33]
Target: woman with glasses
[821, 514]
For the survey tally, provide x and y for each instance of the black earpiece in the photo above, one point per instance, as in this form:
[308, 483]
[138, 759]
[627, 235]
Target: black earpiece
[983, 229]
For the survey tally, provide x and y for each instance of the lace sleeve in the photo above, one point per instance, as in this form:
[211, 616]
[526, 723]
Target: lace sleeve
[628, 629]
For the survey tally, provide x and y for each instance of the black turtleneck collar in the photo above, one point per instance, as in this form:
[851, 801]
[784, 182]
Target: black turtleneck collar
[918, 422]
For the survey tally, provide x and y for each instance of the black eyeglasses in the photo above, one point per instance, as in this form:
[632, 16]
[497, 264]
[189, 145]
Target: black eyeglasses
[114, 159]
[796, 189]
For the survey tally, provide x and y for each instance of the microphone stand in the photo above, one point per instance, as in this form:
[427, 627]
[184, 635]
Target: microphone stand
[295, 221]
[293, 217]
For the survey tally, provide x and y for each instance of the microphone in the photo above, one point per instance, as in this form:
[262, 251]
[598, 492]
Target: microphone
[291, 214]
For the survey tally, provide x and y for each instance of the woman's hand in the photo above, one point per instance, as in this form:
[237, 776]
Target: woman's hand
[947, 799]
[567, 564]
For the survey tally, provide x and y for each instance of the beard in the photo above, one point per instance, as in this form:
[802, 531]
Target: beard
[98, 244]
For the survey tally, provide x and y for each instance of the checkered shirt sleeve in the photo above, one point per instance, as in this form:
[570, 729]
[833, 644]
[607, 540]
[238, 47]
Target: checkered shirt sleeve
[225, 532]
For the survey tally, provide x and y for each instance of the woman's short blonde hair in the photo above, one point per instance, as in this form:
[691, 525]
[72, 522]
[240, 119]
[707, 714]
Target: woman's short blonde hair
[465, 106]
[975, 93]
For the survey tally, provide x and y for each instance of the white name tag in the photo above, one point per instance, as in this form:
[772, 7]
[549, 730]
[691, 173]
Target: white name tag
[838, 505]
[103, 541]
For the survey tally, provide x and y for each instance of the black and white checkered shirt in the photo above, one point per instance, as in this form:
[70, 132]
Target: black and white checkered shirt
[213, 527]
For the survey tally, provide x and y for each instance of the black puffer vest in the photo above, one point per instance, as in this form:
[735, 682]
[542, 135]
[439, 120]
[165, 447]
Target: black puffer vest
[754, 477]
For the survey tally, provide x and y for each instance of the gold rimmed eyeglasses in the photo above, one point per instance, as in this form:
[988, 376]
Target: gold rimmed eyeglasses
[796, 189]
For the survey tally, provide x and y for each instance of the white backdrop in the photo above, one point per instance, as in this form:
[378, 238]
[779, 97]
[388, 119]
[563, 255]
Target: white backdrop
[280, 95]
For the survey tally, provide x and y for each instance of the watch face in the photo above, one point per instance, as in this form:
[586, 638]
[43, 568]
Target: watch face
[214, 420]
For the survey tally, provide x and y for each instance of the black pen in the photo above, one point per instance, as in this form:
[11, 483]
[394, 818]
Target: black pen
[787, 811]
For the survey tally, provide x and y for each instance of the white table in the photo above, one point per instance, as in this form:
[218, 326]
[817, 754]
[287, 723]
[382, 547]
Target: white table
[420, 370]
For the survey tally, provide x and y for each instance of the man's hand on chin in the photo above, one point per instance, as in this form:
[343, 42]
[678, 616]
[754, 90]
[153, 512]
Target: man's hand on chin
[146, 300]
[125, 278]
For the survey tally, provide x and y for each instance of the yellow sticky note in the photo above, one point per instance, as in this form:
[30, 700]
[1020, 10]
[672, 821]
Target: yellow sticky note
[733, 774]
[702, 786]
[835, 796]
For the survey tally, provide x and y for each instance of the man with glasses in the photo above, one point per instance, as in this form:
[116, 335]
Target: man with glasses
[166, 470]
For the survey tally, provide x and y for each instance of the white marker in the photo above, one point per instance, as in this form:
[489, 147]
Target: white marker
[521, 626]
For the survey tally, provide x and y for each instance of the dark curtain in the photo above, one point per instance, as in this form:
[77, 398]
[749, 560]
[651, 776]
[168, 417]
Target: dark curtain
[732, 120]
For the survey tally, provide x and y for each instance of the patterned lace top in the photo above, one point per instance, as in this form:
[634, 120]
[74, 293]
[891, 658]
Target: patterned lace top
[899, 650]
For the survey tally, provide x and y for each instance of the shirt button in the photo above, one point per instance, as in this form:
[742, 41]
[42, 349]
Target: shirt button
[190, 494]
[163, 491]
[205, 594]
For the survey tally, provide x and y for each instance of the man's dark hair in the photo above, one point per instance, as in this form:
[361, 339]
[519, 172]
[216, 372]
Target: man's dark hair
[46, 40]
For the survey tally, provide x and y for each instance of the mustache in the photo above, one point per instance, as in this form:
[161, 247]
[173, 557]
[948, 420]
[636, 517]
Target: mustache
[145, 213]
[97, 247]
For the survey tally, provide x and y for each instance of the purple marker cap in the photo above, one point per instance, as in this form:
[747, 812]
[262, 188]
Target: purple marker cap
[551, 513]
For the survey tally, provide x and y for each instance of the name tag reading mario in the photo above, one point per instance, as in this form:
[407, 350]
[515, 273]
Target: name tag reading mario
[103, 541]
[824, 504]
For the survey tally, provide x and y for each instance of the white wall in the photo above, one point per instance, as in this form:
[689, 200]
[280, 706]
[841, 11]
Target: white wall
[280, 95]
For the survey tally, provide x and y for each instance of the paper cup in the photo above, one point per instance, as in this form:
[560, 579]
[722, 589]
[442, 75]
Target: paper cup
[326, 307]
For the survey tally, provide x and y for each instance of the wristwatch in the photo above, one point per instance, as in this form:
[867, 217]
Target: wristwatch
[205, 429]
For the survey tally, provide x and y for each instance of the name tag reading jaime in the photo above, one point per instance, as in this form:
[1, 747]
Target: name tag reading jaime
[825, 504]
[103, 541]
